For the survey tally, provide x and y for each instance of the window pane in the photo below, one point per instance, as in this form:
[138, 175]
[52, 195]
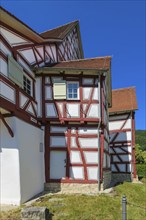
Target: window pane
[70, 86]
[70, 96]
[28, 87]
[70, 90]
[28, 81]
[74, 86]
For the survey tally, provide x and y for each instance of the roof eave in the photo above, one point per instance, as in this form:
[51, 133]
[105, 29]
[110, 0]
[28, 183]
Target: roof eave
[66, 70]
[122, 112]
[9, 20]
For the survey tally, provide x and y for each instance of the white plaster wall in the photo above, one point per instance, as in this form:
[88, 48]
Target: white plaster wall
[3, 67]
[73, 110]
[88, 143]
[7, 92]
[11, 37]
[22, 163]
[113, 125]
[48, 93]
[93, 111]
[51, 110]
[31, 159]
[76, 172]
[9, 165]
[56, 141]
[4, 49]
[75, 157]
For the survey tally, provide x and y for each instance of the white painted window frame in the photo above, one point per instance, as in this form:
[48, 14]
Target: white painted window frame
[31, 84]
[72, 82]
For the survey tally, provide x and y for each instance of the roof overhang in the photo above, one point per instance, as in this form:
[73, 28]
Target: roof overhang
[76, 71]
[9, 20]
[122, 112]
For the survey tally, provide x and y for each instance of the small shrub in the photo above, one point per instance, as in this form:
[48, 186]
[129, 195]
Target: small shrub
[141, 170]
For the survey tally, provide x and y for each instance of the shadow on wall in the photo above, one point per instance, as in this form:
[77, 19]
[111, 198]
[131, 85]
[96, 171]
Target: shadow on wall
[121, 154]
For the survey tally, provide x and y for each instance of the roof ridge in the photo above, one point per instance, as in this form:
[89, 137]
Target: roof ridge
[59, 26]
[130, 87]
[78, 60]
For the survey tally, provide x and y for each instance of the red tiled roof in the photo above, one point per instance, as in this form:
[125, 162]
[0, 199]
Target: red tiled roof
[59, 32]
[91, 63]
[123, 100]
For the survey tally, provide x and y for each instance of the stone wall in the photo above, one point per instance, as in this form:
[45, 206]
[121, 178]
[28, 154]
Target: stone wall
[119, 178]
[107, 176]
[72, 188]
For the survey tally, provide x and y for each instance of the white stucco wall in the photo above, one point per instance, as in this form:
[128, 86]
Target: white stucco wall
[31, 160]
[21, 162]
[9, 165]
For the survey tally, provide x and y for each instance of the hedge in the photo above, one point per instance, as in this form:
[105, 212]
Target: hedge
[141, 170]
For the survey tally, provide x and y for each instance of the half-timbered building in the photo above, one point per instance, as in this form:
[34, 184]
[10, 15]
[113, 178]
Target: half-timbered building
[54, 125]
[122, 134]
[75, 99]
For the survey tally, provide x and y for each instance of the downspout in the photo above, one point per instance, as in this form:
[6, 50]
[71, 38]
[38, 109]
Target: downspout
[133, 166]
[99, 110]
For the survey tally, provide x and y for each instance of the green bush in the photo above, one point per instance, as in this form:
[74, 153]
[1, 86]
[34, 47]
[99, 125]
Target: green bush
[141, 170]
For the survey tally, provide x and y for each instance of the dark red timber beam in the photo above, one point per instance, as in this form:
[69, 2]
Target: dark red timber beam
[120, 130]
[82, 156]
[6, 125]
[133, 145]
[47, 152]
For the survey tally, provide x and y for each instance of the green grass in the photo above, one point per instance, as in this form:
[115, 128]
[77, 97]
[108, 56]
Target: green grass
[100, 207]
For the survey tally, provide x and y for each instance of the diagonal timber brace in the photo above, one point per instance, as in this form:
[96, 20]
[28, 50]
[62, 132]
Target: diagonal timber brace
[7, 126]
[116, 135]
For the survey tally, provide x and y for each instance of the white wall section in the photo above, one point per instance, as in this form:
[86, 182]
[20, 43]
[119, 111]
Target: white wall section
[22, 163]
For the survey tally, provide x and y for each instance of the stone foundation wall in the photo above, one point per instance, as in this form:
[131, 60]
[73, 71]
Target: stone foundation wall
[72, 188]
[107, 177]
[119, 178]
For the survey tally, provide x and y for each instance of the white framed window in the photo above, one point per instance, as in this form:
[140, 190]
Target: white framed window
[73, 90]
[27, 85]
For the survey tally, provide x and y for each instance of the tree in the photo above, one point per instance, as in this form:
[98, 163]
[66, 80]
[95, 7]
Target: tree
[139, 154]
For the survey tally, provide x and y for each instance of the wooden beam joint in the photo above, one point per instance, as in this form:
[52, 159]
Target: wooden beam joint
[7, 126]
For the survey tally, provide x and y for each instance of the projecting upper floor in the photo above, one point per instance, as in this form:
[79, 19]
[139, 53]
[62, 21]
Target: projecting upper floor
[74, 91]
[55, 93]
[68, 91]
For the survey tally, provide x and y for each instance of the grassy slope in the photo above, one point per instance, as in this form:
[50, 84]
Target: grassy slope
[141, 138]
[81, 207]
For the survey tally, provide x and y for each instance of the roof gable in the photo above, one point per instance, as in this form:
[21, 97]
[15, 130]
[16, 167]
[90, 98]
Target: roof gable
[59, 32]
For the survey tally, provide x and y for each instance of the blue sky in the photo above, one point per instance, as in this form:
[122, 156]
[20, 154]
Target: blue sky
[114, 28]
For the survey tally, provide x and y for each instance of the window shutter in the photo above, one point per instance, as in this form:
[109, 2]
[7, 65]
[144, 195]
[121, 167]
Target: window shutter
[15, 71]
[59, 89]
